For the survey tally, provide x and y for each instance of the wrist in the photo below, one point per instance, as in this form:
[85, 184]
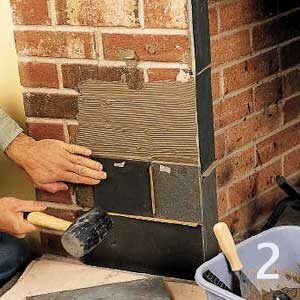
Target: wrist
[17, 150]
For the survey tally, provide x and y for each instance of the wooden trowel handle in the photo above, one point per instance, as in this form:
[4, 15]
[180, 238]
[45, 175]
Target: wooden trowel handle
[46, 221]
[227, 245]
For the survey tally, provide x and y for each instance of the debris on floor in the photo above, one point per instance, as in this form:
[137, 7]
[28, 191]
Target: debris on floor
[52, 274]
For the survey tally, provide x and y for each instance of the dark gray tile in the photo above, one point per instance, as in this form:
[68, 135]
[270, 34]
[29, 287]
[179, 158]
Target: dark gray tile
[126, 189]
[201, 34]
[144, 289]
[205, 119]
[150, 247]
[210, 215]
[176, 192]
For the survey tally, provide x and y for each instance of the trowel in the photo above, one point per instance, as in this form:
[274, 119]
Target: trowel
[244, 287]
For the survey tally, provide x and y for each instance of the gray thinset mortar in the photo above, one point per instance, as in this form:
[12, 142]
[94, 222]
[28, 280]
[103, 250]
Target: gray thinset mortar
[154, 123]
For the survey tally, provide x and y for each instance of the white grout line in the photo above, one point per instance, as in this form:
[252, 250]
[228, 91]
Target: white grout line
[56, 60]
[99, 44]
[107, 63]
[146, 76]
[162, 65]
[44, 120]
[62, 91]
[71, 122]
[59, 75]
[108, 30]
[218, 19]
[66, 134]
[52, 12]
[141, 13]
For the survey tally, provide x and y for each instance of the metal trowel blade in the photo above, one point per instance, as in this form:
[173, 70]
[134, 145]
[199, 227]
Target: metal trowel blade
[248, 289]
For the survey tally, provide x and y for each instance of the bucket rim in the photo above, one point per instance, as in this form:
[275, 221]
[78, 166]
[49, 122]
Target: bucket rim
[211, 288]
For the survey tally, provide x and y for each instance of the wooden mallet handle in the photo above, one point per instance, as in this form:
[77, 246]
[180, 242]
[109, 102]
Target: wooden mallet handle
[227, 245]
[46, 221]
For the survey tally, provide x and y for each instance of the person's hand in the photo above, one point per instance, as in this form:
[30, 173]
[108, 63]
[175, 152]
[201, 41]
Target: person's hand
[50, 163]
[11, 216]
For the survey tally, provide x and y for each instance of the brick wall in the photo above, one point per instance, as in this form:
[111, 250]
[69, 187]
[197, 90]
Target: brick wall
[255, 83]
[61, 43]
[255, 79]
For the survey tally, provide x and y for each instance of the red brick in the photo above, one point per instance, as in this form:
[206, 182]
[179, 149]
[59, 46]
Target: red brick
[72, 131]
[40, 131]
[165, 14]
[51, 244]
[220, 145]
[222, 202]
[242, 219]
[38, 75]
[265, 178]
[230, 47]
[169, 48]
[278, 143]
[72, 74]
[241, 12]
[242, 191]
[235, 166]
[162, 74]
[133, 76]
[59, 197]
[215, 85]
[213, 21]
[250, 71]
[50, 105]
[97, 13]
[267, 201]
[290, 55]
[55, 44]
[233, 109]
[248, 188]
[276, 31]
[30, 12]
[292, 162]
[291, 83]
[253, 128]
[291, 109]
[268, 93]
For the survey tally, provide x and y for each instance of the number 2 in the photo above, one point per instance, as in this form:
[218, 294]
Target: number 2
[261, 274]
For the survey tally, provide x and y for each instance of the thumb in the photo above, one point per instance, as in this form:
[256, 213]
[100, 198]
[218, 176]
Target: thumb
[54, 187]
[28, 206]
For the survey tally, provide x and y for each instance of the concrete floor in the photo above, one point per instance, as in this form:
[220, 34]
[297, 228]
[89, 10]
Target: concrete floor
[50, 274]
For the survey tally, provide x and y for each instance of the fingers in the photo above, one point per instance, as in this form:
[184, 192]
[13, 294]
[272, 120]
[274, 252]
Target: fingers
[86, 172]
[54, 187]
[19, 236]
[78, 179]
[75, 149]
[27, 227]
[29, 206]
[83, 161]
[86, 167]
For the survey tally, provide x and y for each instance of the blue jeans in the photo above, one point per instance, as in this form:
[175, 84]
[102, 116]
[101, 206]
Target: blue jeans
[14, 254]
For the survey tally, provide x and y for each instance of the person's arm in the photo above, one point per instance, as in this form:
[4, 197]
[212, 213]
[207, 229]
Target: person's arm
[49, 163]
[9, 130]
